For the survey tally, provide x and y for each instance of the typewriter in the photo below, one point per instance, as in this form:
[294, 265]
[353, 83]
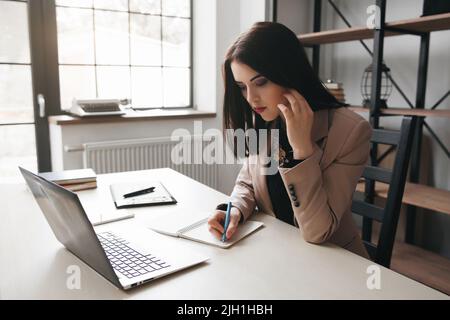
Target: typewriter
[97, 107]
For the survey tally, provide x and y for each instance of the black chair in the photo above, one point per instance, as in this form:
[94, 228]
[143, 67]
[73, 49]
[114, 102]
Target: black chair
[396, 178]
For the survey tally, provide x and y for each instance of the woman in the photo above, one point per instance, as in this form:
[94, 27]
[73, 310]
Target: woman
[323, 145]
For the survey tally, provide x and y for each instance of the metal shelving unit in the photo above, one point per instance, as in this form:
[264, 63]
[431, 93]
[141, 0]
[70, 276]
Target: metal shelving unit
[407, 259]
[421, 27]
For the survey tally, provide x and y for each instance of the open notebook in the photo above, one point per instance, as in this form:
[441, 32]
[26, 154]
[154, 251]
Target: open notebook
[159, 196]
[193, 226]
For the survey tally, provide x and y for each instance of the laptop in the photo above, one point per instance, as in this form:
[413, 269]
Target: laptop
[126, 255]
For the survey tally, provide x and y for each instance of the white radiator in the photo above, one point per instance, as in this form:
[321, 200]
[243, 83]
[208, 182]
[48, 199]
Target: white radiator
[141, 154]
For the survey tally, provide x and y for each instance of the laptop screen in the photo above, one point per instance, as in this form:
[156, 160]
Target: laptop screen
[69, 222]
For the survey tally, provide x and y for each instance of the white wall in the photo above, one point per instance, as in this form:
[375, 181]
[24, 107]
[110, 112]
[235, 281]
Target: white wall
[204, 55]
[250, 12]
[345, 62]
[296, 15]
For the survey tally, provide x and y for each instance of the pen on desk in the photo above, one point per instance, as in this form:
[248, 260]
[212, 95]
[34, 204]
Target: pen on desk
[139, 192]
[227, 222]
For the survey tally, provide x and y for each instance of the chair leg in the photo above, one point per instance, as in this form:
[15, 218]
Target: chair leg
[367, 229]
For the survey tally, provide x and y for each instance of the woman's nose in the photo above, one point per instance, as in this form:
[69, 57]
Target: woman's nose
[252, 97]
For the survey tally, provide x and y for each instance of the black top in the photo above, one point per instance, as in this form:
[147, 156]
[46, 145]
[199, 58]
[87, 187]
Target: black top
[279, 197]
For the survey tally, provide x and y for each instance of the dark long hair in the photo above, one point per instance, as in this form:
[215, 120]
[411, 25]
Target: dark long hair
[275, 52]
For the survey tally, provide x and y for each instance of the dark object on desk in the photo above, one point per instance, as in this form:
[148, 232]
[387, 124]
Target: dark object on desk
[139, 192]
[158, 196]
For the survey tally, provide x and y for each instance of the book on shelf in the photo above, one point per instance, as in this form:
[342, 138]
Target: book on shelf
[340, 98]
[338, 95]
[335, 88]
[67, 177]
[337, 91]
[331, 85]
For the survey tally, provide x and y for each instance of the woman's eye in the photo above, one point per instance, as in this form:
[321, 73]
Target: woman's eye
[242, 88]
[261, 82]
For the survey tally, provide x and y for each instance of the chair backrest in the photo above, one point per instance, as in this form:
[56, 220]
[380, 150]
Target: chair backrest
[396, 178]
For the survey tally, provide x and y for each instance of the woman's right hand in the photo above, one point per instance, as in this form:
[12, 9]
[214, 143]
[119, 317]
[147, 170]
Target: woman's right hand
[217, 220]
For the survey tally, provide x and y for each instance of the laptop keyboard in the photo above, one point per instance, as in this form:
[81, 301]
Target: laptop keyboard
[126, 260]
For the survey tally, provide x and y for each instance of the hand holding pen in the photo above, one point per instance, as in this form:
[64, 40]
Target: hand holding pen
[227, 222]
[217, 221]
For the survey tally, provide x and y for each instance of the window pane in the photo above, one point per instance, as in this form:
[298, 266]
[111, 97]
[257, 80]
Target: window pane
[17, 152]
[145, 40]
[176, 87]
[14, 43]
[178, 8]
[121, 5]
[75, 3]
[113, 82]
[111, 34]
[16, 94]
[118, 41]
[145, 6]
[176, 42]
[76, 82]
[75, 35]
[146, 87]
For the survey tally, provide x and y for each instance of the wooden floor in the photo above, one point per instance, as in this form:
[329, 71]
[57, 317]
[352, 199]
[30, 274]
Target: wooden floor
[422, 265]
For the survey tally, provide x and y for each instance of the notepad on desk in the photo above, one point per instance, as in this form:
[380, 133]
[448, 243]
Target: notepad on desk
[159, 196]
[194, 226]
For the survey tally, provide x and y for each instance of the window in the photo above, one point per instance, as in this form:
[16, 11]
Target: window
[17, 126]
[138, 49]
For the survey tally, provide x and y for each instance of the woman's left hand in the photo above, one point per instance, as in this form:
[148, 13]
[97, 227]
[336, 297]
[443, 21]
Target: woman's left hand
[299, 120]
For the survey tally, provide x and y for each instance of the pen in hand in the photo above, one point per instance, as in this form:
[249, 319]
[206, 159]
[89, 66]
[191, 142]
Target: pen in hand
[227, 222]
[139, 192]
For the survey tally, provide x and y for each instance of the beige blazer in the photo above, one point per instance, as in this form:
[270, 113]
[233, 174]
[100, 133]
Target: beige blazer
[323, 184]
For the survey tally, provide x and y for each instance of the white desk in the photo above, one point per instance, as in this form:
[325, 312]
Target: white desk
[273, 263]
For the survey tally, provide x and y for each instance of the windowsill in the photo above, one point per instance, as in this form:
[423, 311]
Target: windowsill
[131, 115]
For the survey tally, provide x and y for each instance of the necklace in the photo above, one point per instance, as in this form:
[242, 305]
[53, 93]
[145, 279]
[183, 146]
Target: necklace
[282, 156]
